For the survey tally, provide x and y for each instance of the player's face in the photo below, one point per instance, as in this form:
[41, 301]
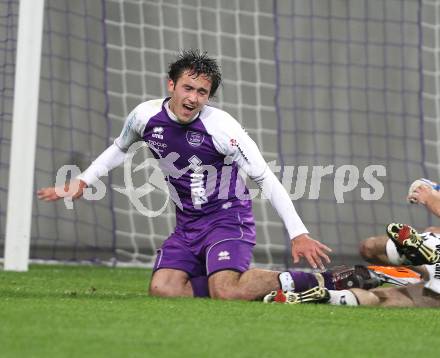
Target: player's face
[188, 95]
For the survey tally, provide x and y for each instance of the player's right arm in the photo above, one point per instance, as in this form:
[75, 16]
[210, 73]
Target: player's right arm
[426, 196]
[74, 189]
[112, 157]
[233, 141]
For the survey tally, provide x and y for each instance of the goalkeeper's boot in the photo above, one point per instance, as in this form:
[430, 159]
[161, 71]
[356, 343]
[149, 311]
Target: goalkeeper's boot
[409, 243]
[359, 276]
[396, 275]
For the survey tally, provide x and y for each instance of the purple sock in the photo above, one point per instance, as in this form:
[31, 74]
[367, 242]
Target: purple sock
[200, 286]
[328, 280]
[305, 280]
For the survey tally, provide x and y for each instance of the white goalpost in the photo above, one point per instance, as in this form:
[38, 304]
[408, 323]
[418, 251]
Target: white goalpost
[24, 128]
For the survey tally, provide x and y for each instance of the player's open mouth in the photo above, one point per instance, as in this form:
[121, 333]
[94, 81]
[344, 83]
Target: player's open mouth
[188, 108]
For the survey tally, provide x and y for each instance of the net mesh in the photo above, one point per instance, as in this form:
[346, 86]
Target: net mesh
[324, 83]
[349, 84]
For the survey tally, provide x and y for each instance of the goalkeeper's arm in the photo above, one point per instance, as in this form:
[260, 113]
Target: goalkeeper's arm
[425, 192]
[112, 157]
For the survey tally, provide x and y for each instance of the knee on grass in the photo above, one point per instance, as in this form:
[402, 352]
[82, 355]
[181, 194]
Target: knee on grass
[163, 290]
[159, 291]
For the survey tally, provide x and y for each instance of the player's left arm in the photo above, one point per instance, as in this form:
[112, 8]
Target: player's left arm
[246, 154]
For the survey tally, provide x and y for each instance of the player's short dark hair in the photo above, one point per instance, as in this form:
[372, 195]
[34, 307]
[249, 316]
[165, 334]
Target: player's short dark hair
[198, 63]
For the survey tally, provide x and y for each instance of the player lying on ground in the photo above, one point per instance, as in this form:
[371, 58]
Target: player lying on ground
[396, 248]
[215, 232]
[404, 245]
[379, 249]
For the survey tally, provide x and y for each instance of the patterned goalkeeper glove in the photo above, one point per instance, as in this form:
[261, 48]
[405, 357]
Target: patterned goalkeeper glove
[422, 181]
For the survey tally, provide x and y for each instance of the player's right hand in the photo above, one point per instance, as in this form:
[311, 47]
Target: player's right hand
[74, 189]
[312, 250]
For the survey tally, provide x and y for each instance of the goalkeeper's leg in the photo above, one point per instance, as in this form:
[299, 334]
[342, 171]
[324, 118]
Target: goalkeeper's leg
[413, 247]
[384, 250]
[399, 249]
[409, 296]
[373, 250]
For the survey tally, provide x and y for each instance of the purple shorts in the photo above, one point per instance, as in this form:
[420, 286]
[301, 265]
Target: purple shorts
[221, 241]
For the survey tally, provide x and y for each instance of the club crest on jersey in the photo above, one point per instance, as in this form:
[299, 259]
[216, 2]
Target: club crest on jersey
[158, 132]
[195, 138]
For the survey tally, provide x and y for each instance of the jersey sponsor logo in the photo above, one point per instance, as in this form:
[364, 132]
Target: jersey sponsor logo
[195, 139]
[437, 271]
[234, 143]
[198, 191]
[223, 255]
[158, 132]
[157, 145]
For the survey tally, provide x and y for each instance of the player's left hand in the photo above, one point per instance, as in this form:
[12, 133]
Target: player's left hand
[312, 250]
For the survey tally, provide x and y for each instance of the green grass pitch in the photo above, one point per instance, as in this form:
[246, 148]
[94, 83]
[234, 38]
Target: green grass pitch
[71, 311]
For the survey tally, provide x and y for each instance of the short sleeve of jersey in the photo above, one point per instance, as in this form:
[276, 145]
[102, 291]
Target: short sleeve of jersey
[136, 122]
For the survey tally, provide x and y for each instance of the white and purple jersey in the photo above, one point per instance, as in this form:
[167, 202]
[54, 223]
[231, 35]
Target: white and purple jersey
[201, 162]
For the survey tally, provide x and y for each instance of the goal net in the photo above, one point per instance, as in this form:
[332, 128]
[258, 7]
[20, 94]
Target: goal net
[315, 83]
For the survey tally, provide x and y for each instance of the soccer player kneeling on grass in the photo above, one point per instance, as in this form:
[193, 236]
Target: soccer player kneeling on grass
[215, 232]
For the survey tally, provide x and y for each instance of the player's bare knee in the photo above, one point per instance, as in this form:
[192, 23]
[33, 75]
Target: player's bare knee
[433, 229]
[167, 284]
[367, 248]
[160, 290]
[170, 283]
